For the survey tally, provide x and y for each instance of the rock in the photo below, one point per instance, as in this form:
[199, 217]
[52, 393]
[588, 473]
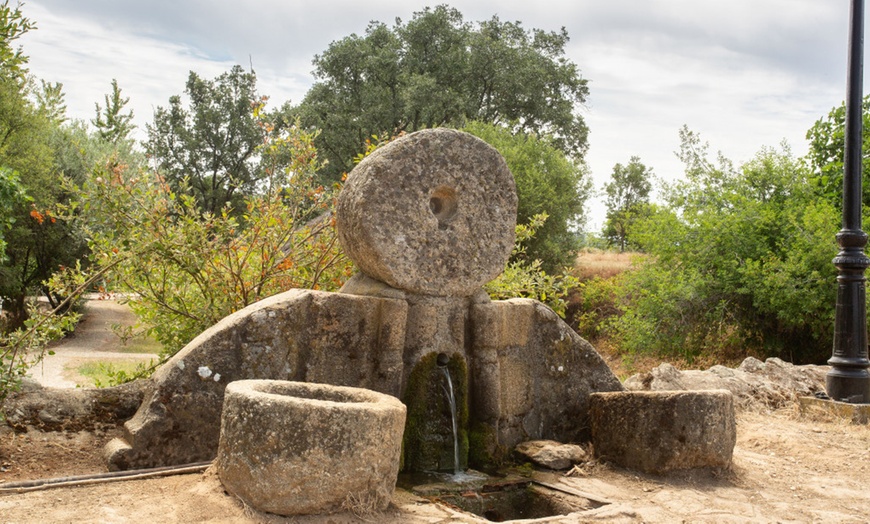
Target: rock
[552, 454]
[773, 383]
[432, 213]
[293, 448]
[52, 409]
[661, 431]
[299, 335]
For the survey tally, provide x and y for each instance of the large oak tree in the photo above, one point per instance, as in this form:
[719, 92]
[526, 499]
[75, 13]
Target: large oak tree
[439, 70]
[207, 143]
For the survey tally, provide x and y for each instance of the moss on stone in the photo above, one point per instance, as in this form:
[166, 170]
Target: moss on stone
[484, 452]
[428, 439]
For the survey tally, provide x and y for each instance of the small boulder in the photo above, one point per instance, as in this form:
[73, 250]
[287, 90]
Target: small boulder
[552, 454]
[61, 409]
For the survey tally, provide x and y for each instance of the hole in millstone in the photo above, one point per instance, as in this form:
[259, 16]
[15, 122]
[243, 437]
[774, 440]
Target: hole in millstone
[442, 360]
[443, 204]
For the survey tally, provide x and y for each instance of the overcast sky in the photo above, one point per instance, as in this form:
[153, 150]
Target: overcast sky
[742, 73]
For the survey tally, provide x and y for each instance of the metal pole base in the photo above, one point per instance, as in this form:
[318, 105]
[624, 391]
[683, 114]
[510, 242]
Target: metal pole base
[848, 385]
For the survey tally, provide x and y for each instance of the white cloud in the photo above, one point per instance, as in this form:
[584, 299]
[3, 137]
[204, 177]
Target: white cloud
[85, 56]
[743, 73]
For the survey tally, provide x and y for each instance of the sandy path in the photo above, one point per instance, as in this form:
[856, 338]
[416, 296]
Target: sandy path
[93, 339]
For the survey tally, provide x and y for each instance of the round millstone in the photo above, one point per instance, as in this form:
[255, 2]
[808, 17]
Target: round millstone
[432, 213]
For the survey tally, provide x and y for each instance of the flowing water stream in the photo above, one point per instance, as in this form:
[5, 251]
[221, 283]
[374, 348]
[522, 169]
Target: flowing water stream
[451, 398]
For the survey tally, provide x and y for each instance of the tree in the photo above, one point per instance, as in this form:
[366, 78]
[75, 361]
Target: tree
[13, 24]
[627, 194]
[739, 263]
[548, 183]
[12, 195]
[212, 144]
[50, 99]
[826, 154]
[438, 70]
[184, 269]
[37, 243]
[34, 242]
[113, 125]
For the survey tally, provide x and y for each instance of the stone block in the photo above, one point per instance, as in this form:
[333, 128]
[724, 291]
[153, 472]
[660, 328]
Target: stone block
[658, 432]
[299, 335]
[854, 413]
[295, 448]
[537, 373]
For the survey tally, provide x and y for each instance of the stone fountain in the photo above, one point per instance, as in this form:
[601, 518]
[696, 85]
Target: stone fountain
[428, 219]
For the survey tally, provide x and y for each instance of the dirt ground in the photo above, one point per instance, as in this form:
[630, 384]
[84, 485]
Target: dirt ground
[93, 340]
[787, 467]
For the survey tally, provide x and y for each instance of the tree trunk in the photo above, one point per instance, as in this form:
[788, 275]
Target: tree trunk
[14, 313]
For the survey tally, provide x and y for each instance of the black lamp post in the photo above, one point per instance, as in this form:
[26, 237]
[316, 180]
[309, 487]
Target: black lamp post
[848, 380]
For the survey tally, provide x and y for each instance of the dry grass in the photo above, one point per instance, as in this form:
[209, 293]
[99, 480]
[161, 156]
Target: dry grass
[592, 263]
[625, 365]
[365, 506]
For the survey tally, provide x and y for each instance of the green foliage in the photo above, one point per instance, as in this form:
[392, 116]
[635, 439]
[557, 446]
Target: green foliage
[547, 183]
[113, 125]
[35, 243]
[740, 263]
[627, 198]
[597, 305]
[12, 195]
[109, 374]
[13, 24]
[524, 278]
[826, 154]
[184, 270]
[592, 240]
[38, 243]
[438, 70]
[210, 148]
[50, 100]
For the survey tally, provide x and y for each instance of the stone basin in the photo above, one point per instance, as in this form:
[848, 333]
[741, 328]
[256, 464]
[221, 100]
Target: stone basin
[295, 448]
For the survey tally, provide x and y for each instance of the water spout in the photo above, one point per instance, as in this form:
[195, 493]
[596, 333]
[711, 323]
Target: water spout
[451, 398]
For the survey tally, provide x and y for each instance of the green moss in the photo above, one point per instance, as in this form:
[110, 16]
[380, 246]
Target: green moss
[484, 452]
[525, 470]
[428, 439]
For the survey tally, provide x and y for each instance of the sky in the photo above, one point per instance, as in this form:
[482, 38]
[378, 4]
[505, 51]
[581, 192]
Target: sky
[743, 73]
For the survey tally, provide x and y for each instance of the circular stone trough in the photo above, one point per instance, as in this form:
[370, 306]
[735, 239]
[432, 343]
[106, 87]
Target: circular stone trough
[295, 448]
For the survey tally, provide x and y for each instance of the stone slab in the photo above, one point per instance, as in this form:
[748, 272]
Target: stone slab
[856, 413]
